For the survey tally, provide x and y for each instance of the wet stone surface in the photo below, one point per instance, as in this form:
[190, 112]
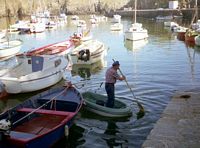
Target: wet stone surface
[179, 125]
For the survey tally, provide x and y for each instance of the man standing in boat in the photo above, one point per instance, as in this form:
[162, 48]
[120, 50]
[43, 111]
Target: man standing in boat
[111, 77]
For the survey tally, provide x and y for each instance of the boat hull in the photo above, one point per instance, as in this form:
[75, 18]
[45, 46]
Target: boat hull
[96, 49]
[60, 48]
[197, 40]
[120, 108]
[10, 48]
[37, 123]
[15, 85]
[181, 36]
[34, 73]
[136, 35]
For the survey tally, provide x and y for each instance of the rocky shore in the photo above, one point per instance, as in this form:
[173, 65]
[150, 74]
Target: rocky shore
[105, 7]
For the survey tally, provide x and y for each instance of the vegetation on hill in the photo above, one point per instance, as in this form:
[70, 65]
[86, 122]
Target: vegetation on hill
[27, 7]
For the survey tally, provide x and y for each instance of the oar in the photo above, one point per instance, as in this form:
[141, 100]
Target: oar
[141, 111]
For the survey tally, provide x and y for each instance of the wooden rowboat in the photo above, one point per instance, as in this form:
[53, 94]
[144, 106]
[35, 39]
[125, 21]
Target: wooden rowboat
[96, 103]
[41, 120]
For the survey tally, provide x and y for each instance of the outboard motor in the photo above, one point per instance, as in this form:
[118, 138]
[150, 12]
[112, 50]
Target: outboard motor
[5, 126]
[81, 55]
[84, 55]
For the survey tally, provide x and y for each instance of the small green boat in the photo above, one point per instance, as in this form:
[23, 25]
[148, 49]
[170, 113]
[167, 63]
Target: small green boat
[96, 103]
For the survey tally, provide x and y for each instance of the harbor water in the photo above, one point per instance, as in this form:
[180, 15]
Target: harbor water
[155, 69]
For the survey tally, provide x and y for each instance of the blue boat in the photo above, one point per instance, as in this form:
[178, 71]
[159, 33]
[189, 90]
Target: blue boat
[42, 120]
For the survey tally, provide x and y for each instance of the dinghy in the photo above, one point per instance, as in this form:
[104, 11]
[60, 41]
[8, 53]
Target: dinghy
[96, 103]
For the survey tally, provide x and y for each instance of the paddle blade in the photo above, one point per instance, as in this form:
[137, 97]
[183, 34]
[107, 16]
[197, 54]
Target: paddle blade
[141, 112]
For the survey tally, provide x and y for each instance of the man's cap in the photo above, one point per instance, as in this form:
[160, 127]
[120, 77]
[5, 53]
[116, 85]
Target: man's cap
[115, 63]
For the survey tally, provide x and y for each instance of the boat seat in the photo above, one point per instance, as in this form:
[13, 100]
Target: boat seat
[45, 111]
[21, 135]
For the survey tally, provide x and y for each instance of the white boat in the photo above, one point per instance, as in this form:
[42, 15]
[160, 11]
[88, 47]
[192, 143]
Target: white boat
[197, 40]
[37, 27]
[136, 31]
[116, 27]
[170, 17]
[7, 64]
[94, 19]
[19, 26]
[179, 29]
[74, 17]
[82, 23]
[170, 24]
[2, 34]
[88, 52]
[10, 48]
[116, 18]
[33, 73]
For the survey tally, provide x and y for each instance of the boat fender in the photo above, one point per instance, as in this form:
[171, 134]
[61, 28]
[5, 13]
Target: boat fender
[66, 130]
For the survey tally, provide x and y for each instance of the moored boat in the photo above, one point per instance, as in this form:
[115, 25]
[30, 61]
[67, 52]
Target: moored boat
[96, 103]
[60, 48]
[33, 73]
[42, 120]
[2, 34]
[190, 35]
[88, 52]
[10, 48]
[181, 36]
[116, 27]
[136, 31]
[78, 38]
[116, 18]
[197, 40]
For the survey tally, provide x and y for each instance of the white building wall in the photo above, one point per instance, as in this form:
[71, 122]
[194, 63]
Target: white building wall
[173, 4]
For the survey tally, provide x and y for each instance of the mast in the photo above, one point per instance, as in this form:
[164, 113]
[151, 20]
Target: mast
[135, 11]
[196, 8]
[7, 21]
[195, 17]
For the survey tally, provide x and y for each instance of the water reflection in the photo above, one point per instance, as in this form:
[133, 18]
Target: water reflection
[117, 32]
[191, 58]
[85, 71]
[197, 48]
[112, 139]
[135, 45]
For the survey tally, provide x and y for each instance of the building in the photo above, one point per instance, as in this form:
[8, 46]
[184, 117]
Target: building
[173, 4]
